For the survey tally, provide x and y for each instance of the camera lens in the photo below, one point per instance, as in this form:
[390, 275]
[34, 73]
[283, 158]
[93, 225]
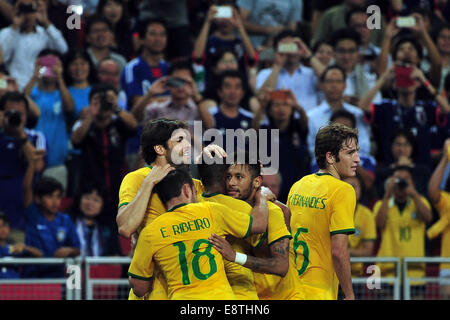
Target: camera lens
[14, 118]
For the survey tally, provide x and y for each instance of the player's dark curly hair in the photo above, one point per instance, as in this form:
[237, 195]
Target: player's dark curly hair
[157, 132]
[331, 138]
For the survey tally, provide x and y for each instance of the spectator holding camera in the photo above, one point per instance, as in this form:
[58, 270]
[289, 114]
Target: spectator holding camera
[48, 89]
[105, 128]
[22, 156]
[406, 110]
[288, 72]
[401, 216]
[30, 32]
[225, 19]
[184, 96]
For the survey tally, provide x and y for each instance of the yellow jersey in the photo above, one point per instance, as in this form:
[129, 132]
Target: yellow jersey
[178, 243]
[443, 207]
[240, 278]
[402, 236]
[129, 188]
[365, 230]
[321, 206]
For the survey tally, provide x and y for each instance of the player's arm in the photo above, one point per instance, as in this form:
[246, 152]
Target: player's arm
[284, 208]
[131, 215]
[259, 213]
[277, 263]
[140, 287]
[341, 262]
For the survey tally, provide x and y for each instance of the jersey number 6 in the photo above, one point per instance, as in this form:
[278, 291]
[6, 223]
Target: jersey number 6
[305, 254]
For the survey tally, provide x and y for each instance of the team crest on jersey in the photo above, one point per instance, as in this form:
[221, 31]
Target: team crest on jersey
[61, 235]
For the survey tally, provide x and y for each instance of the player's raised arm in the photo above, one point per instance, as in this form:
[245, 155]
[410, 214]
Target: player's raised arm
[131, 215]
[259, 213]
[277, 264]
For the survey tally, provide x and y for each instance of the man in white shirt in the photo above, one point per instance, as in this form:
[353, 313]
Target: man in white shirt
[333, 85]
[287, 71]
[30, 32]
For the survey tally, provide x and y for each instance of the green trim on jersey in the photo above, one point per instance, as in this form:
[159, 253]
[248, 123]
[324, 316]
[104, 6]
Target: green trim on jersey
[264, 237]
[139, 277]
[123, 203]
[280, 238]
[177, 206]
[249, 227]
[323, 174]
[209, 195]
[344, 231]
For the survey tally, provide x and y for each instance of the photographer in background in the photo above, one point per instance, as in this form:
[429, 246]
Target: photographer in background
[401, 216]
[22, 155]
[30, 32]
[102, 135]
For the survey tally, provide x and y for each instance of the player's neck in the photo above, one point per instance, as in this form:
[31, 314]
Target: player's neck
[174, 202]
[216, 188]
[332, 171]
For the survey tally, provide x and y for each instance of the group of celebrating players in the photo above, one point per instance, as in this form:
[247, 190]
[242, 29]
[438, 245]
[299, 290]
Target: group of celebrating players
[226, 236]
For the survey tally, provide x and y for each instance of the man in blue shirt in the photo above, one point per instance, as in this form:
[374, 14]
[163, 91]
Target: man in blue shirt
[140, 73]
[229, 114]
[48, 230]
[17, 146]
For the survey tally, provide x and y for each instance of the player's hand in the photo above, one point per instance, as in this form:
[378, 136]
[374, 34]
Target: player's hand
[211, 151]
[270, 196]
[222, 245]
[158, 173]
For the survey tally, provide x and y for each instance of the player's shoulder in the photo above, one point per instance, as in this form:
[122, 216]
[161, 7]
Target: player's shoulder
[139, 173]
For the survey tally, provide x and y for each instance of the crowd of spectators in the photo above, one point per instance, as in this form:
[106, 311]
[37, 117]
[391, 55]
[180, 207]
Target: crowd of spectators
[73, 102]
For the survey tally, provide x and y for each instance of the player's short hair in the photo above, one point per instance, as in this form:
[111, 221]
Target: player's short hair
[13, 96]
[212, 174]
[46, 186]
[331, 138]
[171, 186]
[250, 161]
[158, 132]
[342, 113]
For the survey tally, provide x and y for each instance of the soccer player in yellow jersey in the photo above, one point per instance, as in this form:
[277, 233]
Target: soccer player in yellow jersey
[441, 201]
[240, 278]
[274, 279]
[401, 216]
[177, 242]
[322, 208]
[164, 146]
[362, 242]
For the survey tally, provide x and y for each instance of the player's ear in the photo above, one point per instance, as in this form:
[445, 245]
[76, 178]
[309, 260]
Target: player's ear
[160, 150]
[257, 182]
[330, 158]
